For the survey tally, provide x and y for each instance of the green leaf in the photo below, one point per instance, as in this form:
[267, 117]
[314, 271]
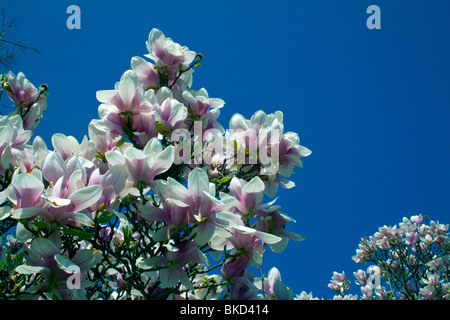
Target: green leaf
[18, 286]
[2, 264]
[82, 235]
[9, 261]
[120, 142]
[19, 259]
[224, 179]
[160, 126]
[52, 279]
[105, 218]
[39, 224]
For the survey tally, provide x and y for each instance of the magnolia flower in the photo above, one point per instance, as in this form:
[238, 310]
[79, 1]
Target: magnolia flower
[175, 258]
[245, 240]
[19, 89]
[273, 287]
[337, 280]
[199, 102]
[147, 74]
[305, 296]
[103, 139]
[143, 165]
[29, 103]
[168, 111]
[242, 288]
[112, 182]
[44, 257]
[272, 220]
[167, 53]
[65, 197]
[14, 148]
[261, 140]
[194, 204]
[68, 146]
[119, 106]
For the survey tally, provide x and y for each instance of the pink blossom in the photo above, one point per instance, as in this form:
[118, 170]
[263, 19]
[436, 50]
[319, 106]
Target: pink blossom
[167, 53]
[143, 165]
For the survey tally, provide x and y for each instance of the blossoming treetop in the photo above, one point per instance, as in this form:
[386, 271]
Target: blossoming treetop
[158, 201]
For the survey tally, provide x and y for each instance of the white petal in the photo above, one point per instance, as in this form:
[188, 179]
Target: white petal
[86, 258]
[106, 95]
[62, 144]
[85, 197]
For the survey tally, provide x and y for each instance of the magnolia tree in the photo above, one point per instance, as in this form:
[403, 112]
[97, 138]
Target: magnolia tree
[411, 261]
[158, 201]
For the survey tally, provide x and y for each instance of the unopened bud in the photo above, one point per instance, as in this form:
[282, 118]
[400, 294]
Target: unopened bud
[199, 56]
[43, 87]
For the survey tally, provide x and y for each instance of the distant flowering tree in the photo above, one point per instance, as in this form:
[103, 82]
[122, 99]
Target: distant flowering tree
[158, 201]
[409, 262]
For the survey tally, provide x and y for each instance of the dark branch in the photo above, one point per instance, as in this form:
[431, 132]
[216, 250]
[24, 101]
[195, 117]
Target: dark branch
[10, 49]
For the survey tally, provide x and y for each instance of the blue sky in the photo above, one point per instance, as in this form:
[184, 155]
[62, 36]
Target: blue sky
[372, 105]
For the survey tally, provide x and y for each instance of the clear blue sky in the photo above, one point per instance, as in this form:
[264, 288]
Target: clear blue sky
[372, 105]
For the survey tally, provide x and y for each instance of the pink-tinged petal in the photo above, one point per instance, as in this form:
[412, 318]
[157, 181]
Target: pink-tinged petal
[153, 147]
[77, 219]
[95, 177]
[198, 182]
[151, 213]
[177, 115]
[63, 145]
[204, 233]
[170, 277]
[146, 73]
[162, 162]
[53, 167]
[106, 96]
[115, 158]
[238, 121]
[153, 36]
[253, 192]
[135, 164]
[263, 236]
[28, 189]
[24, 269]
[172, 189]
[273, 276]
[75, 182]
[179, 211]
[113, 182]
[25, 213]
[226, 218]
[43, 248]
[87, 258]
[236, 188]
[128, 87]
[56, 202]
[85, 197]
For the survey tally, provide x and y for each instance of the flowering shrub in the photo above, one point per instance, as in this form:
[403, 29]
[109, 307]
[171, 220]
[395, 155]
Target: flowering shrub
[411, 262]
[158, 201]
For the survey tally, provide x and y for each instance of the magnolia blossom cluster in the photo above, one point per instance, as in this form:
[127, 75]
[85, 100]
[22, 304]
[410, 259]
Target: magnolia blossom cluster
[158, 201]
[409, 261]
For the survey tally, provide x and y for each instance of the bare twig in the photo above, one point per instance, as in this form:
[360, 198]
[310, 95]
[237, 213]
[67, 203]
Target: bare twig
[9, 49]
